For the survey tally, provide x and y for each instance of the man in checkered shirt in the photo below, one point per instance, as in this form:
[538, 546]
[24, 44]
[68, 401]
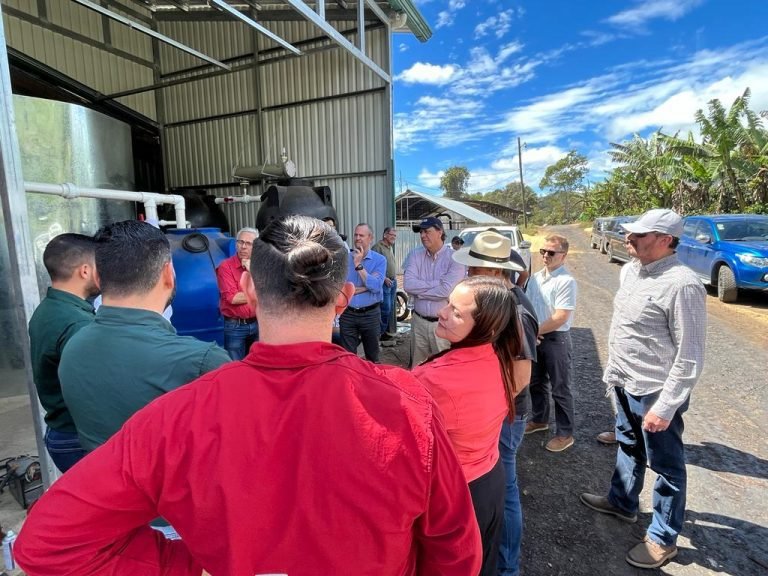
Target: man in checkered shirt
[655, 356]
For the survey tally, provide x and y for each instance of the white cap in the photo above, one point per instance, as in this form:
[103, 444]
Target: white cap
[660, 220]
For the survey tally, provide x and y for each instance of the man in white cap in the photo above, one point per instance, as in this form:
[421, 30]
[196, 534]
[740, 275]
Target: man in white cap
[491, 254]
[430, 274]
[655, 356]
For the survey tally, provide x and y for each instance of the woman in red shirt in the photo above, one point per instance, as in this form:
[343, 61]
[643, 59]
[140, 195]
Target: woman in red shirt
[473, 385]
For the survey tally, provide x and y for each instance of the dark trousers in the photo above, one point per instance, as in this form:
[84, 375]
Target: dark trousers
[239, 336]
[551, 377]
[488, 500]
[361, 326]
[64, 448]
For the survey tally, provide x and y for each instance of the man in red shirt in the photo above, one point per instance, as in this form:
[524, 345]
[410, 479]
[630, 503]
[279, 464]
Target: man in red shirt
[302, 460]
[240, 326]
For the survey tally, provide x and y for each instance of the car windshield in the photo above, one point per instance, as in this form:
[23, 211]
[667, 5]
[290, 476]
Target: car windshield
[743, 230]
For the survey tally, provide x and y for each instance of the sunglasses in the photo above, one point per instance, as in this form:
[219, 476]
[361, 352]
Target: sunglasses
[644, 234]
[550, 253]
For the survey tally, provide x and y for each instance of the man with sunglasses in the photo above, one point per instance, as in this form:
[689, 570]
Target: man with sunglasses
[240, 326]
[655, 357]
[552, 291]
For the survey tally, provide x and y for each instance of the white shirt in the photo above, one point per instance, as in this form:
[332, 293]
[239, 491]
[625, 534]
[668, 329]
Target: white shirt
[549, 292]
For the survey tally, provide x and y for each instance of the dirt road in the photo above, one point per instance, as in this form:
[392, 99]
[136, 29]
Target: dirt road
[726, 530]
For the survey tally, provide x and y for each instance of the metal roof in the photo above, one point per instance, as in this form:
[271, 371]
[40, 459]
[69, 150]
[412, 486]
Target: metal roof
[427, 208]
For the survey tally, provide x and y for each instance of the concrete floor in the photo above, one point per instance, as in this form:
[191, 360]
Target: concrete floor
[18, 437]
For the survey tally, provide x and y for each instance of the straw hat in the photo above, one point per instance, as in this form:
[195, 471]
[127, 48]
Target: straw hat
[488, 250]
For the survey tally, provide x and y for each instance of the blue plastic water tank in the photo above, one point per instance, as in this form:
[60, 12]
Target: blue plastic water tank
[196, 254]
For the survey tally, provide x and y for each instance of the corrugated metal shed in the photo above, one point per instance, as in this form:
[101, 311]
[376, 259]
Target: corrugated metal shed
[328, 109]
[411, 207]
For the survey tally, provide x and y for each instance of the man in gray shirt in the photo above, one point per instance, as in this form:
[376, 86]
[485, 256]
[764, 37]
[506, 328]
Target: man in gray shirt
[655, 356]
[430, 276]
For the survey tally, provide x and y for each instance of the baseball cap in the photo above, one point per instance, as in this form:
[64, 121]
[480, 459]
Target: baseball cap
[430, 222]
[488, 250]
[660, 220]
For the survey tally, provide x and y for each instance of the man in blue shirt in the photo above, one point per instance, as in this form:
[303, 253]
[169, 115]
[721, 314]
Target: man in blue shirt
[362, 318]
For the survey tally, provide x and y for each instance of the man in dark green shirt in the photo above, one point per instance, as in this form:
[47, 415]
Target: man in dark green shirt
[69, 260]
[130, 354]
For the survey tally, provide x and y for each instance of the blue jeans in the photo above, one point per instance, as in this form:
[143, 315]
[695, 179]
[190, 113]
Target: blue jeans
[664, 453]
[64, 448]
[387, 304]
[512, 532]
[238, 337]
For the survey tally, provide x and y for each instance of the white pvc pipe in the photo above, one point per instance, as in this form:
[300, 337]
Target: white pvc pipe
[149, 199]
[236, 199]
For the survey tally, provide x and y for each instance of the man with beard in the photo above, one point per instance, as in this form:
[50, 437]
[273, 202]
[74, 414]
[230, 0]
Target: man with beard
[70, 262]
[130, 354]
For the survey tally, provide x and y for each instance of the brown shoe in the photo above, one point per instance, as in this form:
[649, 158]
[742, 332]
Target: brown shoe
[532, 427]
[607, 438]
[602, 504]
[559, 443]
[649, 554]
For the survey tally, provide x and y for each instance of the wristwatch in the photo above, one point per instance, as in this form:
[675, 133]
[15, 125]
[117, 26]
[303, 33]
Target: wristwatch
[359, 267]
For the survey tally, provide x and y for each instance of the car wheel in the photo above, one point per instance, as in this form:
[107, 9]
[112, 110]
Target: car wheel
[602, 248]
[727, 291]
[611, 258]
[401, 303]
[592, 244]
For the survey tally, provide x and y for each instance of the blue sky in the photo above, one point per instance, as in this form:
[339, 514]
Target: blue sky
[563, 74]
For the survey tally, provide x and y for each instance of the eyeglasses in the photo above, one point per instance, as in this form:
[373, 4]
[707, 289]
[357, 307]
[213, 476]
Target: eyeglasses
[550, 253]
[644, 234]
[244, 243]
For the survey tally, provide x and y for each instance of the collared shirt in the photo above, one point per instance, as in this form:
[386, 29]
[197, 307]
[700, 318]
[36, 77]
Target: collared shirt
[58, 317]
[429, 280]
[388, 252]
[375, 266]
[658, 332]
[228, 275]
[121, 362]
[301, 459]
[468, 388]
[553, 291]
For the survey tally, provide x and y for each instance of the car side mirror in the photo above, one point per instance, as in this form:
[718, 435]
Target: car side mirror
[704, 238]
[525, 244]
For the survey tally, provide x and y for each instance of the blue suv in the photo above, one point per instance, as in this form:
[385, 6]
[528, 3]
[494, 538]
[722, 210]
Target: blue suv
[728, 251]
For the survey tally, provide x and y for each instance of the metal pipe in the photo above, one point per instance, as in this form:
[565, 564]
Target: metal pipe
[269, 34]
[237, 199]
[149, 199]
[149, 32]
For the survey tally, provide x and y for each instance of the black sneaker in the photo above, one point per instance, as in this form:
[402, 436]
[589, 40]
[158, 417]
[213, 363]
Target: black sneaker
[386, 337]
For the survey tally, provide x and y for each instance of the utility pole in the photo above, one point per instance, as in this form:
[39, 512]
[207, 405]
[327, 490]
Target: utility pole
[522, 184]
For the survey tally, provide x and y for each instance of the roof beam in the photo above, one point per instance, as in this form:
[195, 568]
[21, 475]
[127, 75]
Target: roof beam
[334, 35]
[268, 33]
[149, 32]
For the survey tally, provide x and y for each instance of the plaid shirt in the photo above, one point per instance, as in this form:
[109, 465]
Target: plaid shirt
[658, 333]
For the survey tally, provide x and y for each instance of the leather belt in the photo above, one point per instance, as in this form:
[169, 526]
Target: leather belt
[242, 321]
[363, 309]
[427, 318]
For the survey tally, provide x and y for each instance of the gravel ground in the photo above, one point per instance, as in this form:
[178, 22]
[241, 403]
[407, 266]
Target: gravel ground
[726, 529]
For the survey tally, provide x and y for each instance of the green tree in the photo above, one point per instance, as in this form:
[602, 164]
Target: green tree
[454, 182]
[566, 179]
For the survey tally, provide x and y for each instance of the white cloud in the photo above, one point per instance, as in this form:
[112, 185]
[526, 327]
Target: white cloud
[402, 47]
[498, 24]
[425, 73]
[651, 10]
[446, 17]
